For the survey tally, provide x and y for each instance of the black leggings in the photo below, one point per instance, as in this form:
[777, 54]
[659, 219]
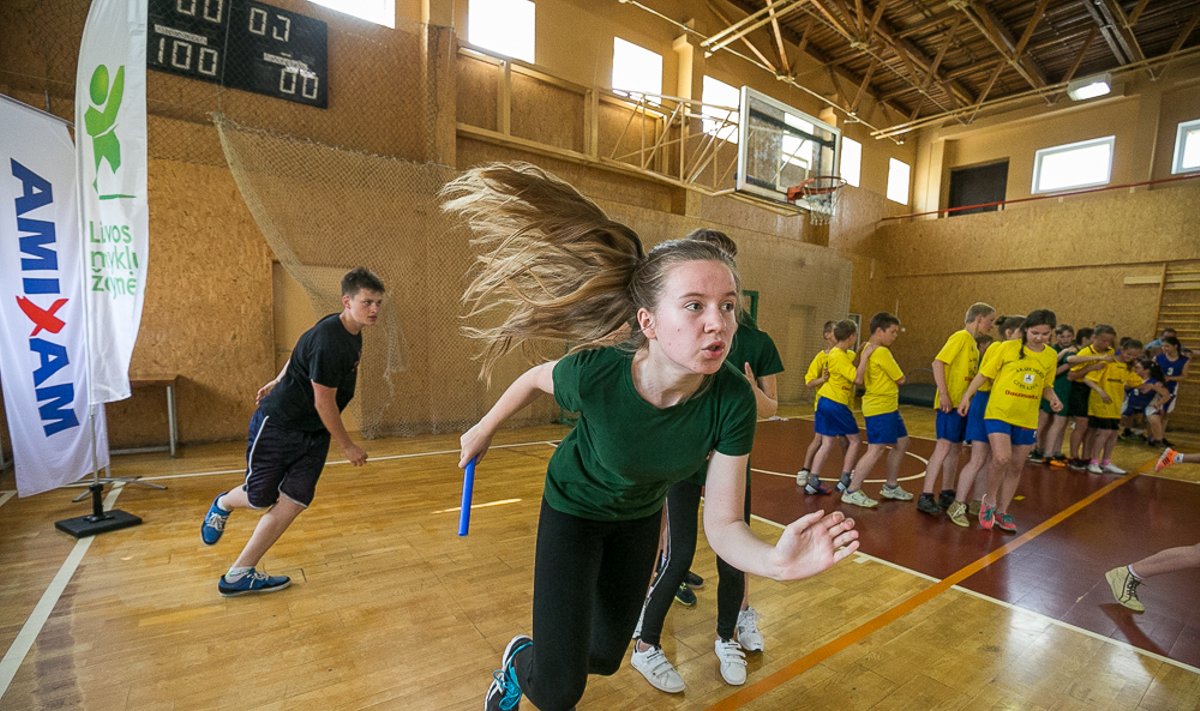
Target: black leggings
[683, 503]
[588, 584]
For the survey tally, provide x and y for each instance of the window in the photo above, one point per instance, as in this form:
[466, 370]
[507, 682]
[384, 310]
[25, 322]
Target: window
[851, 161]
[1187, 147]
[898, 172]
[636, 70]
[1075, 165]
[723, 122]
[381, 12]
[796, 150]
[503, 26]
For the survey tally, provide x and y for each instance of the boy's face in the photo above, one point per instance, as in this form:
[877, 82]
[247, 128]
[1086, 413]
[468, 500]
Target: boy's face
[983, 324]
[364, 306]
[1103, 341]
[1066, 338]
[829, 338]
[887, 336]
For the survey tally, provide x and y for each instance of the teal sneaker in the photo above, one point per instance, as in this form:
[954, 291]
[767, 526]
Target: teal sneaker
[504, 693]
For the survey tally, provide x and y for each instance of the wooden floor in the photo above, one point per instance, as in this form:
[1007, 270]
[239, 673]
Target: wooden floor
[391, 610]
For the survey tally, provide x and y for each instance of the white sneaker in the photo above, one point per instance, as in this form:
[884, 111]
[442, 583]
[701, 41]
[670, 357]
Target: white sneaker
[1094, 469]
[1111, 468]
[658, 670]
[896, 493]
[733, 662]
[858, 498]
[747, 630]
[802, 477]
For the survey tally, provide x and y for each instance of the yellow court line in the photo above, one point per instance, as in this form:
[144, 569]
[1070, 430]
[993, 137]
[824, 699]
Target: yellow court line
[773, 681]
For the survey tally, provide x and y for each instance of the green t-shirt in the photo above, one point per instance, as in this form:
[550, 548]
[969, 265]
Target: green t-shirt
[624, 453]
[750, 345]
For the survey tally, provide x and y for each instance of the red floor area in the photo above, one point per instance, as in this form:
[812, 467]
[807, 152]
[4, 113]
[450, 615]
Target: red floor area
[1058, 574]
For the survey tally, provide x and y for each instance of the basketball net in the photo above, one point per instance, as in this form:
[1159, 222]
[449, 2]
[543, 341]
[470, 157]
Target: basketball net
[819, 195]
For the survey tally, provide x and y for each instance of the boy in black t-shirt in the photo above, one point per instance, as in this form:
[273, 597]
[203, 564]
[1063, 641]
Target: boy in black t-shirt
[298, 412]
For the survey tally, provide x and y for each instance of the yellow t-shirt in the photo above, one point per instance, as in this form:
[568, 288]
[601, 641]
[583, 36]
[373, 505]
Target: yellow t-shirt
[881, 380]
[1114, 378]
[840, 386]
[1089, 351]
[989, 356]
[1017, 383]
[814, 372]
[961, 356]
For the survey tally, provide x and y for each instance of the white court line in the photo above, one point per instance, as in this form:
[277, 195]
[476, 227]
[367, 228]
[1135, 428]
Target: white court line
[388, 457]
[913, 477]
[6, 495]
[20, 646]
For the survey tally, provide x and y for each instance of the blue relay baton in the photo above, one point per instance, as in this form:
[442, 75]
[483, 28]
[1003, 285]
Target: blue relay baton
[464, 516]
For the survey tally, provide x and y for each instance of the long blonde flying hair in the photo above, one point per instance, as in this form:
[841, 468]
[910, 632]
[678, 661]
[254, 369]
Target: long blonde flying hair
[554, 264]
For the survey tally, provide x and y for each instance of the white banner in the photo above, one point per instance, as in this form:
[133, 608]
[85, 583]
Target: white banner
[110, 126]
[43, 349]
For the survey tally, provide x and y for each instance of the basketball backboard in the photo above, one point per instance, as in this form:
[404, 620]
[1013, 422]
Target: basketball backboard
[780, 146]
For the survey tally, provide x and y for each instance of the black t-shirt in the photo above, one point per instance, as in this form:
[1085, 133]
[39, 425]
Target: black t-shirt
[327, 354]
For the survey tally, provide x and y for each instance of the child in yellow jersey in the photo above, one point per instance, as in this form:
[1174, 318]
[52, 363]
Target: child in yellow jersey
[973, 407]
[1107, 386]
[1089, 359]
[834, 418]
[816, 376]
[1021, 373]
[878, 370]
[954, 367]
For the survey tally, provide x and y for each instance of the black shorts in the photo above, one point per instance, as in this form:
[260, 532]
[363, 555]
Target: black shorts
[1077, 404]
[1104, 423]
[284, 461]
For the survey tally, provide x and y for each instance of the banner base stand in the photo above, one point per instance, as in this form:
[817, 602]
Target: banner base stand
[99, 520]
[90, 525]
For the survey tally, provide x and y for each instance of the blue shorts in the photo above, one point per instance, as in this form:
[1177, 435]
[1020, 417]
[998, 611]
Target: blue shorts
[975, 431]
[951, 426]
[887, 428]
[1020, 436]
[834, 419]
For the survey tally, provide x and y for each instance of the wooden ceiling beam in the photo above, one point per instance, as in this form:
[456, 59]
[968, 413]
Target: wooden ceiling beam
[1178, 43]
[995, 32]
[1115, 16]
[783, 58]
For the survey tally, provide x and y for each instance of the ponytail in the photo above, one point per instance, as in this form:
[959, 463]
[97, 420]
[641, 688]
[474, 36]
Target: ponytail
[553, 264]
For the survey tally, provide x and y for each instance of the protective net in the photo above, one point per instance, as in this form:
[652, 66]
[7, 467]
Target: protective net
[356, 184]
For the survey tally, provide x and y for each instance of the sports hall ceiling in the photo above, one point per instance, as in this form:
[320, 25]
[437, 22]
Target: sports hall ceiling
[928, 60]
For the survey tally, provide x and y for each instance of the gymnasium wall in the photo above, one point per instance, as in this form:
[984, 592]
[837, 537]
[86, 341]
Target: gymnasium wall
[1071, 256]
[209, 306]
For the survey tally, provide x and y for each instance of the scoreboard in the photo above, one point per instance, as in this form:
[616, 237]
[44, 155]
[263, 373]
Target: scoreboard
[241, 44]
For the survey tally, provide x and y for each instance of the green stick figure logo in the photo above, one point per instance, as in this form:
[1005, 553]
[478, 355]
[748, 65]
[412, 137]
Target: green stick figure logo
[100, 121]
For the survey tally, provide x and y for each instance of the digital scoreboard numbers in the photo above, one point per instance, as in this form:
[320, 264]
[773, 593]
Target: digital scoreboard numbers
[243, 45]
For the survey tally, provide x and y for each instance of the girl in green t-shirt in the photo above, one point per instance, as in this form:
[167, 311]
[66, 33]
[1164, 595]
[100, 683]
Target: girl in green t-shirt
[650, 412]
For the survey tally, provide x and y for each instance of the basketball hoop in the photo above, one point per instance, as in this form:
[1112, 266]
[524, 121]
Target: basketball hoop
[819, 194]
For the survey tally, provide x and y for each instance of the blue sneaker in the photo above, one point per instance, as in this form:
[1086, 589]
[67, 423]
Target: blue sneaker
[214, 522]
[252, 582]
[504, 693]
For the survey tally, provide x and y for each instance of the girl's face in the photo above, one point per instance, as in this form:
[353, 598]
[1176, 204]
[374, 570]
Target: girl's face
[1065, 339]
[1171, 351]
[1129, 355]
[1036, 337]
[1011, 333]
[1142, 371]
[695, 318]
[829, 339]
[1102, 342]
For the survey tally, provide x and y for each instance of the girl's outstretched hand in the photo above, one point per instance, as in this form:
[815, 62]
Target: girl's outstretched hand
[812, 544]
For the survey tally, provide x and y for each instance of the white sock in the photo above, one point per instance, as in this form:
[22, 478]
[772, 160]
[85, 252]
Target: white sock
[1178, 458]
[1135, 575]
[237, 573]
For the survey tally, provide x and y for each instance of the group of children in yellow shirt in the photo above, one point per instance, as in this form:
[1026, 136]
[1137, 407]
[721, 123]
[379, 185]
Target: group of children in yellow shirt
[1001, 399]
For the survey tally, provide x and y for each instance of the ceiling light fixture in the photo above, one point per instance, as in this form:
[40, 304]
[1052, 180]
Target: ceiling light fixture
[1090, 87]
